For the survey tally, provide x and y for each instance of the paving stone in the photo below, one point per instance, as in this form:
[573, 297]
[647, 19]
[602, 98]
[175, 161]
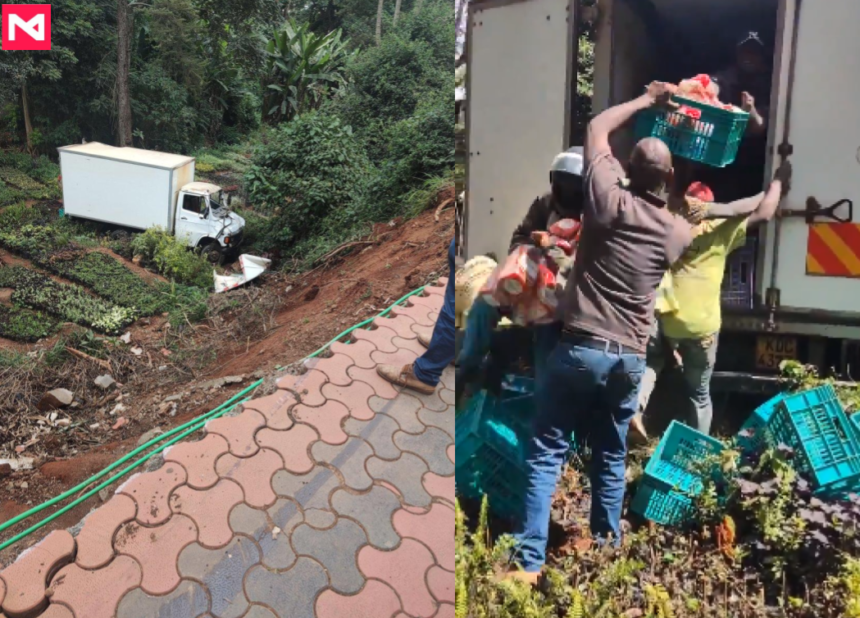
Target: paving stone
[354, 397]
[448, 378]
[431, 402]
[431, 446]
[334, 367]
[311, 490]
[222, 572]
[438, 289]
[239, 431]
[189, 600]
[435, 529]
[275, 408]
[27, 579]
[380, 387]
[434, 303]
[291, 445]
[95, 541]
[259, 612]
[276, 548]
[349, 459]
[334, 548]
[326, 420]
[151, 491]
[400, 325]
[411, 345]
[376, 600]
[404, 409]
[198, 459]
[420, 314]
[441, 583]
[439, 486]
[373, 511]
[451, 451]
[405, 474]
[156, 549]
[358, 351]
[210, 510]
[292, 592]
[320, 519]
[446, 610]
[380, 338]
[307, 386]
[447, 396]
[423, 331]
[378, 432]
[441, 420]
[398, 359]
[57, 611]
[95, 594]
[2, 592]
[403, 569]
[254, 474]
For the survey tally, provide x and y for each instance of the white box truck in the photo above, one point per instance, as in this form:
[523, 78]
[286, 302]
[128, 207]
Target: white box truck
[804, 272]
[140, 189]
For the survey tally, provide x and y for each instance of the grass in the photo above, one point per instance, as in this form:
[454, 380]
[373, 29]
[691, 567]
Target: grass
[20, 324]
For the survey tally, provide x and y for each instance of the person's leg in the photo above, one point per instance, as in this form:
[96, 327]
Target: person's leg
[566, 387]
[655, 362]
[423, 375]
[699, 356]
[617, 404]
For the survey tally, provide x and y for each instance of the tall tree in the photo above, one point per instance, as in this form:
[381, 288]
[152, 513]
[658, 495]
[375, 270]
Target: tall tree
[379, 22]
[123, 70]
[396, 12]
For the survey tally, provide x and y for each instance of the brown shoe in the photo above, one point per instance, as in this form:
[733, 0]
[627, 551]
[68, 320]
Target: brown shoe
[404, 376]
[530, 579]
[424, 339]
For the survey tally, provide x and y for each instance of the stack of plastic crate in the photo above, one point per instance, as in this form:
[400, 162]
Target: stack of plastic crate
[674, 475]
[490, 446]
[751, 437]
[825, 442]
[739, 279]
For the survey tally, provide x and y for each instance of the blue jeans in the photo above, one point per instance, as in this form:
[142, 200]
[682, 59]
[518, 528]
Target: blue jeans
[581, 388]
[429, 366]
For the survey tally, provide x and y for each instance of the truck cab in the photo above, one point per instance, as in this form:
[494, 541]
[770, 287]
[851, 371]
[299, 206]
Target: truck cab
[794, 291]
[204, 219]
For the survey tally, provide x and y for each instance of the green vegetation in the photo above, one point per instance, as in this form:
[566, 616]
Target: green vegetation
[25, 325]
[70, 303]
[171, 257]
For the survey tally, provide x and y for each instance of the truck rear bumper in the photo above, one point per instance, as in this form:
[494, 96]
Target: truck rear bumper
[739, 382]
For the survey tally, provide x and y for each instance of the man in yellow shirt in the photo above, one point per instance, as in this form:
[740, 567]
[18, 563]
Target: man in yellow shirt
[688, 307]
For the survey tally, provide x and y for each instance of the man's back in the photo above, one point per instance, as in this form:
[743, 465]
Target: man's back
[626, 247]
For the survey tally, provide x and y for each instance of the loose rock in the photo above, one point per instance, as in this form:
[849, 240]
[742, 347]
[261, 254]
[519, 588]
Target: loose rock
[105, 381]
[149, 435]
[57, 398]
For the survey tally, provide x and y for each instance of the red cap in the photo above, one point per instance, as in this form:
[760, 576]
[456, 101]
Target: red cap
[701, 191]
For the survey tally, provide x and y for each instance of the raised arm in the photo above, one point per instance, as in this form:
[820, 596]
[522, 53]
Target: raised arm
[609, 120]
[759, 208]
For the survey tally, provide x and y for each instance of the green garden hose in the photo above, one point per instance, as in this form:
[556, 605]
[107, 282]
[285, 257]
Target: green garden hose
[189, 427]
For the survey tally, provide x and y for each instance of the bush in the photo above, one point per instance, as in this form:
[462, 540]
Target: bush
[172, 258]
[21, 324]
[309, 169]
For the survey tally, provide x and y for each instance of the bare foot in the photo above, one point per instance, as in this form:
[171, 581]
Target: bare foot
[532, 579]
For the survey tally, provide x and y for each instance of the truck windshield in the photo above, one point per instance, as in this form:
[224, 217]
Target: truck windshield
[215, 200]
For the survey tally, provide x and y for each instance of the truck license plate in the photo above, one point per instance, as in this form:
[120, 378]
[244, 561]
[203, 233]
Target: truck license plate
[771, 351]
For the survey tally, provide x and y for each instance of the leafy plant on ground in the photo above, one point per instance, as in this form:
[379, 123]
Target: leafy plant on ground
[21, 324]
[18, 179]
[172, 258]
[70, 303]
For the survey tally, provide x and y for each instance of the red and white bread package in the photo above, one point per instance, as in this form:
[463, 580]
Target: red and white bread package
[525, 283]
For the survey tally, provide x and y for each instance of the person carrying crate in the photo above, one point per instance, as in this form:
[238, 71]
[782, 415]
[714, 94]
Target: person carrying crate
[592, 377]
[563, 201]
[688, 306]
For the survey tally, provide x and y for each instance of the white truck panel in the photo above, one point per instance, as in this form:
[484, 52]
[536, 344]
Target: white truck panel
[826, 140]
[519, 55]
[181, 177]
[116, 192]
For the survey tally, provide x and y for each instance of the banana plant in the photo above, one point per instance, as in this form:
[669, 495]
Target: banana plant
[303, 68]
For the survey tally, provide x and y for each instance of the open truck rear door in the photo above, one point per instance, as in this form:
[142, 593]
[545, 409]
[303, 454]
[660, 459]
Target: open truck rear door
[520, 87]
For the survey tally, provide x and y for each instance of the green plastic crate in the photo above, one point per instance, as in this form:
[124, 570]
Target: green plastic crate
[756, 426]
[713, 139]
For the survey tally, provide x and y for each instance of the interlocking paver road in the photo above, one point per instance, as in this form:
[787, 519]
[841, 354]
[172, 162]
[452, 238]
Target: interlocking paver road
[332, 497]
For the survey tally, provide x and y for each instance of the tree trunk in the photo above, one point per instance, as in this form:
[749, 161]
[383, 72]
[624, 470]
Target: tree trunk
[123, 68]
[396, 12]
[379, 22]
[28, 124]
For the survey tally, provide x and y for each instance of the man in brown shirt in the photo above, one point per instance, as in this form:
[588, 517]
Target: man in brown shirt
[628, 240]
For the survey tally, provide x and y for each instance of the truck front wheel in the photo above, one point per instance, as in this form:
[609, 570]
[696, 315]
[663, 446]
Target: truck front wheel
[213, 254]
